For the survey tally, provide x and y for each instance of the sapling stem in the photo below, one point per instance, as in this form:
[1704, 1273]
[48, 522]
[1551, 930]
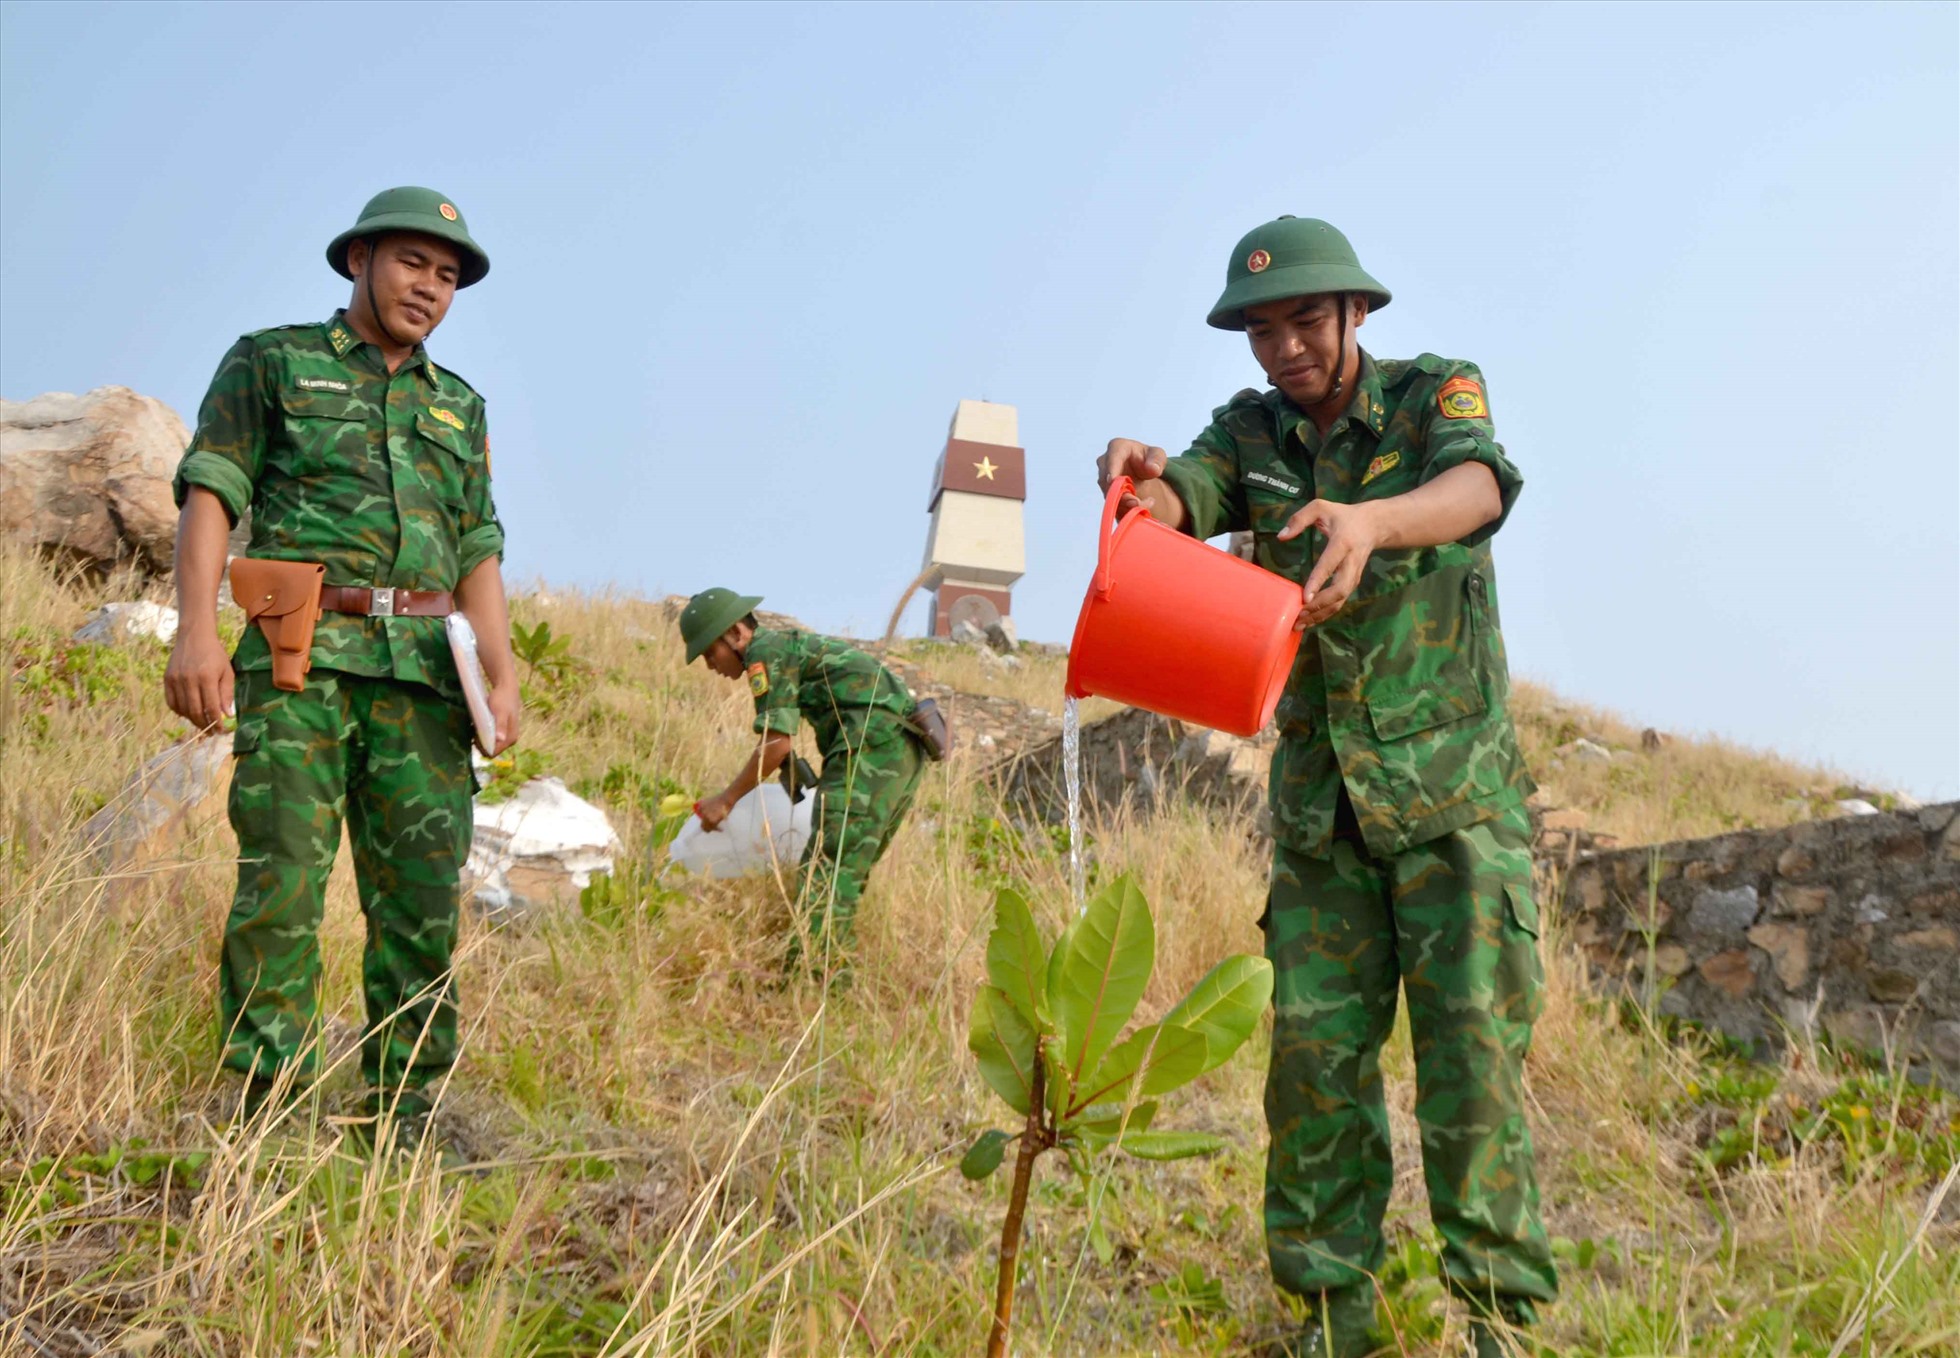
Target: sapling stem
[1034, 1140]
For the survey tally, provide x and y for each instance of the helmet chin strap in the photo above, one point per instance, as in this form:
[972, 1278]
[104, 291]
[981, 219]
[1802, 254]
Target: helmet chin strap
[374, 309]
[1338, 388]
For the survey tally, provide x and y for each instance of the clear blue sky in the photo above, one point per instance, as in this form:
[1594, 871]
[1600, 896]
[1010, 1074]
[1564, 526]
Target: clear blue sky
[748, 257]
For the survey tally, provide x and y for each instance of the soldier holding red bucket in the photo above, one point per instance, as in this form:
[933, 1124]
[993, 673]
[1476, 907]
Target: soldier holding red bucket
[1401, 857]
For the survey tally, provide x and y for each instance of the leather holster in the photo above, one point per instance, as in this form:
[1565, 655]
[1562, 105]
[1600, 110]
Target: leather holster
[928, 723]
[283, 598]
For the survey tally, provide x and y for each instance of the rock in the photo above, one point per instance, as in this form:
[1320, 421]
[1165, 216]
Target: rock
[113, 623]
[1802, 900]
[1671, 959]
[87, 478]
[1652, 740]
[184, 783]
[1724, 912]
[1890, 985]
[1789, 948]
[1862, 1028]
[1937, 939]
[1795, 861]
[1940, 900]
[1002, 636]
[536, 850]
[967, 633]
[1732, 972]
[1586, 751]
[1854, 806]
[1942, 1043]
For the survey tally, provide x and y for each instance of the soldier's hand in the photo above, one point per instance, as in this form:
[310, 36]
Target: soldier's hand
[197, 683]
[712, 811]
[1352, 536]
[507, 708]
[1127, 457]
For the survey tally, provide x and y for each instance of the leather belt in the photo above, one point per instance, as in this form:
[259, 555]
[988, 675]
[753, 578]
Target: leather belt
[385, 603]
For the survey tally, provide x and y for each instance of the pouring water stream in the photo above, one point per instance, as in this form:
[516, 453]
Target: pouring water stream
[1072, 772]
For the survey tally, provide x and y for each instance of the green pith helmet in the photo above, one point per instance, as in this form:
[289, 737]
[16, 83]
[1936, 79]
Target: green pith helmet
[1290, 257]
[709, 614]
[413, 209]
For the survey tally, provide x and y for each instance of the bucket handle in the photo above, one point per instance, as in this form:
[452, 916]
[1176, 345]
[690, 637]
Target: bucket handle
[1118, 488]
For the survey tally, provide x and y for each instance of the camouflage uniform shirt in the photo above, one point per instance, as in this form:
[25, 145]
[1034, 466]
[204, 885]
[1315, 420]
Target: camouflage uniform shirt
[1402, 694]
[845, 695]
[384, 479]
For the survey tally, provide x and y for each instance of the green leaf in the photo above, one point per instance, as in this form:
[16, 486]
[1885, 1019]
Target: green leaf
[1099, 1240]
[1106, 1119]
[1106, 964]
[1171, 1145]
[1017, 963]
[1058, 1085]
[1225, 1006]
[1175, 1055]
[1005, 1045]
[983, 1157]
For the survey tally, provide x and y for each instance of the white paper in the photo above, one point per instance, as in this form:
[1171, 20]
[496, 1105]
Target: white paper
[476, 689]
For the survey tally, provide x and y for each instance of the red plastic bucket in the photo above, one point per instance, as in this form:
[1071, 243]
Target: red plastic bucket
[1182, 629]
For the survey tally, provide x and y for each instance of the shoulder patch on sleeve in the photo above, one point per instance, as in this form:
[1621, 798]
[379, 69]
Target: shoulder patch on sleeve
[1461, 399]
[758, 679]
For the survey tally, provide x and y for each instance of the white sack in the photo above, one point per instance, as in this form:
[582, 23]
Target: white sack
[762, 831]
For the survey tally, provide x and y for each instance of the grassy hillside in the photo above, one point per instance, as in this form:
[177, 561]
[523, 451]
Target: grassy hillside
[674, 1154]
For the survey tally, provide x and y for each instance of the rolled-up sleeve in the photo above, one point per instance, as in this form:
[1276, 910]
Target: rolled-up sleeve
[1451, 440]
[481, 536]
[1206, 478]
[228, 449]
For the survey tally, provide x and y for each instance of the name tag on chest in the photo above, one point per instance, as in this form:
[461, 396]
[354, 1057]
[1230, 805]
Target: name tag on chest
[1271, 482]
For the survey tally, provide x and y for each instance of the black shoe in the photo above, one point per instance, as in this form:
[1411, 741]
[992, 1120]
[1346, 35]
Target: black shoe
[1342, 1326]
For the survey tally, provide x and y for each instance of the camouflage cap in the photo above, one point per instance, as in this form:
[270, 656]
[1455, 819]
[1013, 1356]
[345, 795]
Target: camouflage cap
[1290, 257]
[412, 209]
[709, 614]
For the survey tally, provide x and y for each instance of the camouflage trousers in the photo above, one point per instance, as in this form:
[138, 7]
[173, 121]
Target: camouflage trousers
[1452, 922]
[862, 797]
[392, 760]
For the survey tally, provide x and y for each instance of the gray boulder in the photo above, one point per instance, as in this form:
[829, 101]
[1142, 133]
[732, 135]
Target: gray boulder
[87, 478]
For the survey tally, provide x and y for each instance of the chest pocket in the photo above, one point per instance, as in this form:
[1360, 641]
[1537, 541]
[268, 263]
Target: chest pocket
[326, 432]
[444, 458]
[1434, 674]
[1270, 500]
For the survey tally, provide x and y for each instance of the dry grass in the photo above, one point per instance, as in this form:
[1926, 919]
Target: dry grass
[1686, 789]
[674, 1155]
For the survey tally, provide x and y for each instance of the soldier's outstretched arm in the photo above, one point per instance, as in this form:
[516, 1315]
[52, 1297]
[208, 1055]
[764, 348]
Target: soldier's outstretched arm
[197, 684]
[770, 752]
[1447, 508]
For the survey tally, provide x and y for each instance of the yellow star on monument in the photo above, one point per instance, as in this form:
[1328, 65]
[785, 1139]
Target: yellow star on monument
[985, 466]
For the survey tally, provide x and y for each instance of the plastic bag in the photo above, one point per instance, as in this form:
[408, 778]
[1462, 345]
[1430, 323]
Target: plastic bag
[762, 832]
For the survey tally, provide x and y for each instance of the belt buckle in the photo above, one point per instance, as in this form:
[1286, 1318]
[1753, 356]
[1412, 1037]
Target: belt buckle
[381, 603]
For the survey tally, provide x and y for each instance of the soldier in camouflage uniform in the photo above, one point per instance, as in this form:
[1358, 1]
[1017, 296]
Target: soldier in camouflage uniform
[858, 711]
[351, 448]
[1397, 789]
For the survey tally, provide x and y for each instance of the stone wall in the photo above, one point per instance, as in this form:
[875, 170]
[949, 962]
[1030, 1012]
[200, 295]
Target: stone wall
[1135, 760]
[1849, 927]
